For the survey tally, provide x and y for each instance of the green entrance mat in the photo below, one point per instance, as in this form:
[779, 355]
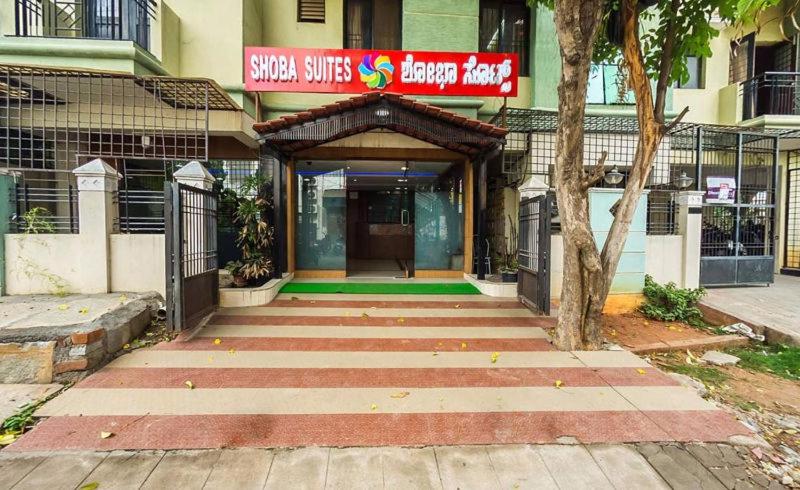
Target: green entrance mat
[380, 288]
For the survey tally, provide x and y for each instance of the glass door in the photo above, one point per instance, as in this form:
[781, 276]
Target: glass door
[439, 222]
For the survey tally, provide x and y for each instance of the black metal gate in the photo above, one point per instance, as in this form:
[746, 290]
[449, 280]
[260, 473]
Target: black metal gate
[791, 250]
[738, 173]
[533, 279]
[190, 217]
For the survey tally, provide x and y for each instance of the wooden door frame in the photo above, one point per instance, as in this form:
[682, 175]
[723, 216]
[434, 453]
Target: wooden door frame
[291, 213]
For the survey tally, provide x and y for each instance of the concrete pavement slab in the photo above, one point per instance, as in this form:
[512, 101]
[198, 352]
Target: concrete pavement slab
[61, 472]
[466, 468]
[15, 396]
[182, 469]
[244, 468]
[300, 469]
[354, 468]
[520, 466]
[15, 467]
[405, 467]
[124, 469]
[573, 467]
[626, 468]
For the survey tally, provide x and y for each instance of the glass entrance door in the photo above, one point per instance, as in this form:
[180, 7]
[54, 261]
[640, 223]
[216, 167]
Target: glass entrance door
[439, 229]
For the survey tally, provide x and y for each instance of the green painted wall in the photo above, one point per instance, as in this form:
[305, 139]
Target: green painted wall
[440, 25]
[546, 62]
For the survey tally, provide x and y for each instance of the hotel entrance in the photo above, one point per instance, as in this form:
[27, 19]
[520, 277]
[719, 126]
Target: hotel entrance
[380, 219]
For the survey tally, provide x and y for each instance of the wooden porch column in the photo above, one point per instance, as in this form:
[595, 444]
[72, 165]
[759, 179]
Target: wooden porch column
[480, 247]
[279, 223]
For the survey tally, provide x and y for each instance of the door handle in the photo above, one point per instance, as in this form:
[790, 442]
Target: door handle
[404, 217]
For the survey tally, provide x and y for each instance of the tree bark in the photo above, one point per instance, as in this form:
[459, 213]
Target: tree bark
[588, 274]
[577, 22]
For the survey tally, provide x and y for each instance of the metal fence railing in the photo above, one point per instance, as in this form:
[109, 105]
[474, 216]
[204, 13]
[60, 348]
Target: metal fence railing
[140, 211]
[127, 20]
[45, 210]
[773, 93]
[662, 213]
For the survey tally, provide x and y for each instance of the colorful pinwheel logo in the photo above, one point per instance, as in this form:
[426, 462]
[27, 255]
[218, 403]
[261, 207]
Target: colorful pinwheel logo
[376, 71]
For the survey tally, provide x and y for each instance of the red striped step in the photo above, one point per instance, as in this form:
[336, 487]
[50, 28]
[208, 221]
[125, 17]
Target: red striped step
[194, 431]
[211, 378]
[347, 344]
[375, 321]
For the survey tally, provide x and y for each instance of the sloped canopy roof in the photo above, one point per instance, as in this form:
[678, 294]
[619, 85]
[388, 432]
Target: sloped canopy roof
[374, 110]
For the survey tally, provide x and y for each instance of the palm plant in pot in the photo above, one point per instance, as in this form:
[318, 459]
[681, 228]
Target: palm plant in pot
[255, 234]
[509, 266]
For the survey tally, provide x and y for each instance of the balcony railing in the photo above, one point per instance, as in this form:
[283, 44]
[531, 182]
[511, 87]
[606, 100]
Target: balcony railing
[772, 93]
[127, 20]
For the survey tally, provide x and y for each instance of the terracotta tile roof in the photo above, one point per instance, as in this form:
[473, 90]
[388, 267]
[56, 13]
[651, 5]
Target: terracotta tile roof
[491, 132]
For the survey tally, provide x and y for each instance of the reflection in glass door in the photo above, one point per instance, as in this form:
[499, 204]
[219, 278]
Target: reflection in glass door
[439, 222]
[321, 218]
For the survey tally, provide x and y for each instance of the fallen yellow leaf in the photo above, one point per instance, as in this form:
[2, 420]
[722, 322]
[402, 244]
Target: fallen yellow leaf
[373, 407]
[401, 394]
[189, 385]
[613, 333]
[463, 345]
[231, 351]
[364, 315]
[123, 298]
[83, 310]
[295, 298]
[435, 353]
[90, 486]
[217, 341]
[401, 320]
[494, 357]
[63, 307]
[6, 439]
[106, 435]
[126, 346]
[458, 306]
[641, 371]
[559, 383]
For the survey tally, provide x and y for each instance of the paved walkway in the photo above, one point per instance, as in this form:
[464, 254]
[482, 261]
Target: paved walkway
[373, 370]
[646, 466]
[776, 307]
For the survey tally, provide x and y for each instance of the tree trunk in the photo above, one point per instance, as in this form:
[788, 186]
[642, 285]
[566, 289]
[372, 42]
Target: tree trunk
[582, 296]
[651, 131]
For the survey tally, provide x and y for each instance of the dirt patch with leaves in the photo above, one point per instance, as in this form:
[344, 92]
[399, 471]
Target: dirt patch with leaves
[634, 329]
[763, 392]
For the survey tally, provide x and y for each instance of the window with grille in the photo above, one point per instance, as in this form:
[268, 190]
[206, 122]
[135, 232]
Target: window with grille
[311, 11]
[742, 59]
[504, 28]
[372, 24]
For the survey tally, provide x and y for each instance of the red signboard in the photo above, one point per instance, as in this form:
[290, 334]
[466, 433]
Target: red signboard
[354, 71]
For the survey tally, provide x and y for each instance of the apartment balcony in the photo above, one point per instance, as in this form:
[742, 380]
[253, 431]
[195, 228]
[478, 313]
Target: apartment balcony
[771, 96]
[121, 20]
[133, 36]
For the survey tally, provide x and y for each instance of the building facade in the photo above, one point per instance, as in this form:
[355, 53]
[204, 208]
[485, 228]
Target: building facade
[149, 85]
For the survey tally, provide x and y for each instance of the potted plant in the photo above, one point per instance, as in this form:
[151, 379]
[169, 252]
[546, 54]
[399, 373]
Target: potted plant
[510, 267]
[255, 235]
[235, 269]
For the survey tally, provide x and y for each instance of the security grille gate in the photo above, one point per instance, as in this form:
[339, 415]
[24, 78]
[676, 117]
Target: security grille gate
[533, 279]
[738, 234]
[190, 217]
[791, 252]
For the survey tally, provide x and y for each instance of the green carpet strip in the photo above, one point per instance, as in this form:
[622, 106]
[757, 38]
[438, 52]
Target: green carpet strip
[380, 288]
